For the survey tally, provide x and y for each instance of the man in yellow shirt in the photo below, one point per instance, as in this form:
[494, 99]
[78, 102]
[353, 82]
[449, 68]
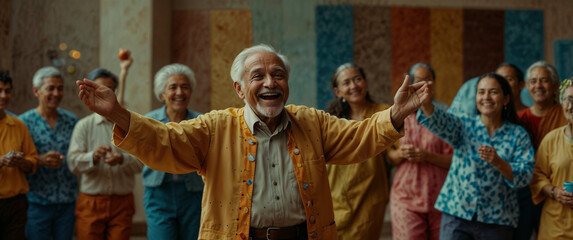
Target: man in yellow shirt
[18, 157]
[264, 164]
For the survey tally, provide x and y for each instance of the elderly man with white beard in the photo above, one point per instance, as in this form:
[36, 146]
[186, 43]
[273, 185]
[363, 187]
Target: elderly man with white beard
[264, 165]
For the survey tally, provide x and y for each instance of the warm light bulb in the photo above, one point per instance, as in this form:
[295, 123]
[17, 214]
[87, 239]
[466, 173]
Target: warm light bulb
[75, 54]
[63, 46]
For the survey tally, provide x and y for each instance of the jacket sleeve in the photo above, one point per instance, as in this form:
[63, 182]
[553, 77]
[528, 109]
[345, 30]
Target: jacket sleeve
[173, 147]
[348, 141]
[542, 170]
[523, 160]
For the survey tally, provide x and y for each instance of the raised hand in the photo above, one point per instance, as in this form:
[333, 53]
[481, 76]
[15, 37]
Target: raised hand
[98, 98]
[408, 99]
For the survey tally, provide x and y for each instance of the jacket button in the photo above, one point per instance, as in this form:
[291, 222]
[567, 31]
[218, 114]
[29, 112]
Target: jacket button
[296, 151]
[312, 219]
[313, 234]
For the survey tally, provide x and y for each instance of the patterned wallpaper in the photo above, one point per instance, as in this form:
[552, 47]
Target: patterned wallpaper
[385, 41]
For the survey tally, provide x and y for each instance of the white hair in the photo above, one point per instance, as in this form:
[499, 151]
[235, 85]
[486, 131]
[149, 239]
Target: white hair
[45, 72]
[545, 65]
[238, 67]
[169, 70]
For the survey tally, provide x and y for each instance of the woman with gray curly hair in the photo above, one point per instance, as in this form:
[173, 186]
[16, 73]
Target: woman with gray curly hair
[171, 217]
[552, 171]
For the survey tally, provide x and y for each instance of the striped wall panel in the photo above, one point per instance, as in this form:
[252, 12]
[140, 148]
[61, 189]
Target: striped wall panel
[334, 46]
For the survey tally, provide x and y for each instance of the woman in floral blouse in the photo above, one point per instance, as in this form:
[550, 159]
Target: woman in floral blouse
[493, 156]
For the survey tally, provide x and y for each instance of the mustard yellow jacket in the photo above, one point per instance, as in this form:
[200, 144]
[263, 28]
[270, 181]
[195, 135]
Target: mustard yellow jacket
[218, 143]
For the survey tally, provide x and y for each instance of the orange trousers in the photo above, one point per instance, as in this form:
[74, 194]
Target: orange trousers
[104, 216]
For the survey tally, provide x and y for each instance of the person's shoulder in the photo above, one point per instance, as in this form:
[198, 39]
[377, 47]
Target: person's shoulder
[193, 114]
[154, 113]
[297, 109]
[440, 105]
[27, 114]
[552, 137]
[67, 114]
[88, 119]
[231, 112]
[524, 113]
[555, 132]
[15, 122]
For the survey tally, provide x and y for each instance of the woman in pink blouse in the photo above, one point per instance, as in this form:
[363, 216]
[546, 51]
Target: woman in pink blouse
[422, 164]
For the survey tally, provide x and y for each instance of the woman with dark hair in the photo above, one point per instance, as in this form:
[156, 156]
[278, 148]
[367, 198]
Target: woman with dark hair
[359, 191]
[422, 162]
[493, 156]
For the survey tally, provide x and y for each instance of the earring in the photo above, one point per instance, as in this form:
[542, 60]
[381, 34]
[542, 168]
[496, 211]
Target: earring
[504, 107]
[343, 100]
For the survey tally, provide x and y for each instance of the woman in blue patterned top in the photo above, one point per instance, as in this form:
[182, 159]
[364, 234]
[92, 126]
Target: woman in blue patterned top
[493, 156]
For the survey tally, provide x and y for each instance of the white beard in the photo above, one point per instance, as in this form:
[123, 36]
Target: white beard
[265, 112]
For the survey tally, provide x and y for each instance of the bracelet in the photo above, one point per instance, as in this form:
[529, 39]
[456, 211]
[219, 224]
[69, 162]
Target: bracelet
[552, 192]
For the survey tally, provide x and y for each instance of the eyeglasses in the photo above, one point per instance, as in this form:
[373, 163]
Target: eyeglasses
[566, 100]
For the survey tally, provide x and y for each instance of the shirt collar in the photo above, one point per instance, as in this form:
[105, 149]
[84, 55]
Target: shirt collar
[9, 119]
[100, 120]
[251, 119]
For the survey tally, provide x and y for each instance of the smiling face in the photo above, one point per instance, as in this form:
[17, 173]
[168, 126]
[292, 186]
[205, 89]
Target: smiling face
[50, 93]
[265, 85]
[490, 98]
[177, 93]
[567, 103]
[541, 87]
[351, 86]
[5, 95]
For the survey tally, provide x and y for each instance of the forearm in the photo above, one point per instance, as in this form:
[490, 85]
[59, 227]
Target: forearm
[394, 157]
[121, 117]
[397, 118]
[548, 191]
[441, 160]
[26, 166]
[505, 169]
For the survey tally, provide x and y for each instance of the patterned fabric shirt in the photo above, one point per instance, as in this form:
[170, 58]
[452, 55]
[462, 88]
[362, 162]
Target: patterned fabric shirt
[48, 185]
[473, 186]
